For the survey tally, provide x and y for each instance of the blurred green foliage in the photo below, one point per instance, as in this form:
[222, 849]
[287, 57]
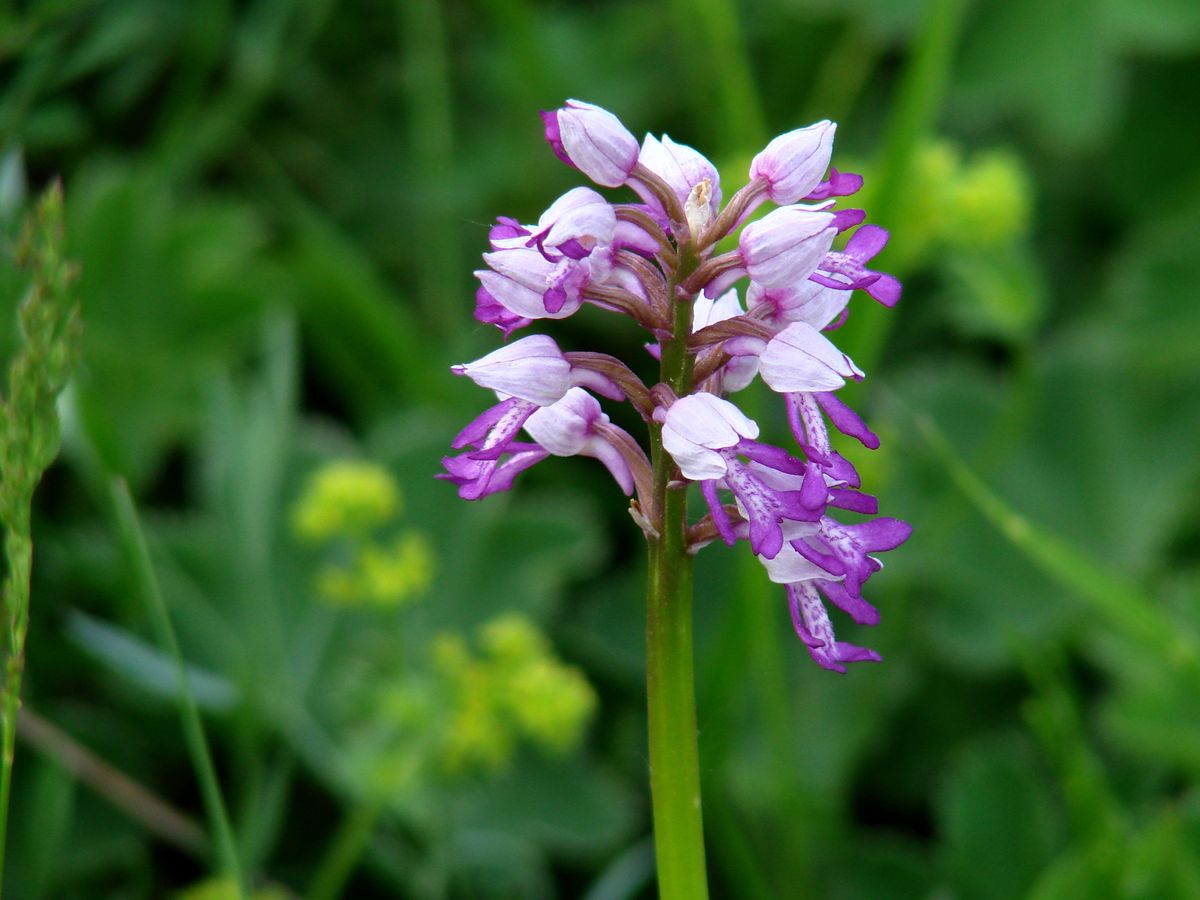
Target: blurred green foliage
[277, 206]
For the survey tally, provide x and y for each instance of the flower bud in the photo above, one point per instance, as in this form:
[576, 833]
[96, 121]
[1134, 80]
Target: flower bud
[793, 164]
[527, 284]
[592, 140]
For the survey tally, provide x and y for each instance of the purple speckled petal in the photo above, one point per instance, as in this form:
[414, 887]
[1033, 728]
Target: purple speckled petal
[814, 492]
[838, 184]
[762, 507]
[840, 469]
[886, 289]
[775, 457]
[808, 425]
[846, 420]
[797, 595]
[866, 243]
[717, 511]
[477, 430]
[855, 501]
[854, 606]
[811, 620]
[845, 219]
[553, 136]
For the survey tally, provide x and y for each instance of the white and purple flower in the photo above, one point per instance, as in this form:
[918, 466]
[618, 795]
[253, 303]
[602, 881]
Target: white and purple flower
[654, 260]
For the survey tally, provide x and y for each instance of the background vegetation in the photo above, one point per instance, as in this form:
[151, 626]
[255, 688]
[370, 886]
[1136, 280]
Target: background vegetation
[276, 206]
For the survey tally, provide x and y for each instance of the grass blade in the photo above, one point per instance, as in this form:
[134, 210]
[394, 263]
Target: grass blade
[134, 541]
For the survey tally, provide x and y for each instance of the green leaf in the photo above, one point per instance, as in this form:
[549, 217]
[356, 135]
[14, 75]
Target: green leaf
[145, 667]
[996, 822]
[44, 813]
[566, 804]
[1067, 81]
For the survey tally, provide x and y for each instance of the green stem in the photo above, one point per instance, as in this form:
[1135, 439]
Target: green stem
[134, 540]
[344, 852]
[670, 688]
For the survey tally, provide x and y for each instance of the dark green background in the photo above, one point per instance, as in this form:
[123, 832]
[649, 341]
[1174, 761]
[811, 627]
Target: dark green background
[277, 206]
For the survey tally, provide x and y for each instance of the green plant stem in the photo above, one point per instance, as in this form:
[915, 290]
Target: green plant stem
[670, 688]
[344, 852]
[134, 540]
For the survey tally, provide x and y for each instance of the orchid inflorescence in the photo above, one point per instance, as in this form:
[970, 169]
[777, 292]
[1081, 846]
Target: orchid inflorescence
[656, 262]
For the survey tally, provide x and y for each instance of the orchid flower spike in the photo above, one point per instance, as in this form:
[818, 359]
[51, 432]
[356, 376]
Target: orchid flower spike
[650, 257]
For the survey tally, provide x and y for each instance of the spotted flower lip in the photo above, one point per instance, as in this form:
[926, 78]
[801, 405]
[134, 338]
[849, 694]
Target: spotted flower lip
[479, 473]
[812, 624]
[592, 140]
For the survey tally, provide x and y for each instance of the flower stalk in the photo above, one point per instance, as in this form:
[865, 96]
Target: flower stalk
[670, 680]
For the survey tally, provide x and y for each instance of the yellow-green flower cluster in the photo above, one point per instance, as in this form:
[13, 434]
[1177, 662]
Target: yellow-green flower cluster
[981, 202]
[227, 889]
[345, 497]
[347, 506]
[514, 689]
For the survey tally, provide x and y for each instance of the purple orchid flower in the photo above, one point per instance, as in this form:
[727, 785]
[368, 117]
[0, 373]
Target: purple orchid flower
[655, 261]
